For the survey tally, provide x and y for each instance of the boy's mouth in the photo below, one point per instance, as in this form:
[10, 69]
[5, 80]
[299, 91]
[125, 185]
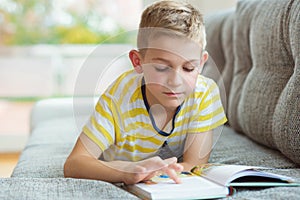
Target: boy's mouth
[173, 94]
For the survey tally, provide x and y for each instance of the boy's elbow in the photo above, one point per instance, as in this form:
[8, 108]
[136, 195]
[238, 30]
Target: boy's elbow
[67, 169]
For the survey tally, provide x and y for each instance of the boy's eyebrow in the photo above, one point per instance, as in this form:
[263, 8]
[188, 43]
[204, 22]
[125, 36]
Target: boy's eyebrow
[168, 62]
[161, 59]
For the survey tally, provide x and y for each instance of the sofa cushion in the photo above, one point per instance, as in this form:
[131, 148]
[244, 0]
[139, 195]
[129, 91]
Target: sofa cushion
[59, 188]
[286, 120]
[264, 97]
[55, 108]
[219, 66]
[49, 145]
[39, 171]
[272, 66]
[242, 58]
[234, 148]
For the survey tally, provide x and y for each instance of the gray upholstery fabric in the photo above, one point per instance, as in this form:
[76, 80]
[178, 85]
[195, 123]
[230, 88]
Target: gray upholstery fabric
[286, 120]
[220, 49]
[47, 149]
[234, 148]
[261, 77]
[59, 188]
[242, 58]
[271, 69]
[55, 138]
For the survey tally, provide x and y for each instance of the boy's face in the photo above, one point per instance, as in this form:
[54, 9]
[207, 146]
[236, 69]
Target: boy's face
[171, 66]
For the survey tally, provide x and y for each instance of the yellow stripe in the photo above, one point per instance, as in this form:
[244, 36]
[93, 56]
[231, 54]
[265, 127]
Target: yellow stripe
[177, 133]
[207, 92]
[104, 113]
[133, 138]
[101, 130]
[126, 87]
[198, 95]
[210, 127]
[137, 95]
[210, 115]
[93, 138]
[188, 109]
[114, 108]
[209, 102]
[134, 112]
[141, 149]
[108, 101]
[112, 91]
[136, 125]
[118, 134]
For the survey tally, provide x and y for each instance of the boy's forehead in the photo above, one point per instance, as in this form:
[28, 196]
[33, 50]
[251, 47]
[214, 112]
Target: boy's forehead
[183, 47]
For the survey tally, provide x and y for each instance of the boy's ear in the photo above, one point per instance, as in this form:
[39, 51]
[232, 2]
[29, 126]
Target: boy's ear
[135, 59]
[204, 57]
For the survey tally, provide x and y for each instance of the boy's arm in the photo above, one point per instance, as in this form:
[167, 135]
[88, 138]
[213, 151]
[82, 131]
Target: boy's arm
[81, 164]
[197, 149]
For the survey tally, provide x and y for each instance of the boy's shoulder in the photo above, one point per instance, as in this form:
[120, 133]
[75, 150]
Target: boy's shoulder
[127, 79]
[127, 74]
[204, 83]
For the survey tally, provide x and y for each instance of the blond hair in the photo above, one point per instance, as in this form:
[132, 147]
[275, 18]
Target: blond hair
[178, 18]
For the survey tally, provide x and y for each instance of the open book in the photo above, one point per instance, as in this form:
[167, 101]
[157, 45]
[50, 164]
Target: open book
[207, 182]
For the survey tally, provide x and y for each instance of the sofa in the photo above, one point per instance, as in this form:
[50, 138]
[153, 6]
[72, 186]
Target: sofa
[255, 59]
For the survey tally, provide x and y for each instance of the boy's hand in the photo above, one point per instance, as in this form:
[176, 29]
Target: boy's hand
[146, 169]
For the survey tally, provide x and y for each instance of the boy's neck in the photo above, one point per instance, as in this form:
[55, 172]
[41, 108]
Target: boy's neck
[161, 115]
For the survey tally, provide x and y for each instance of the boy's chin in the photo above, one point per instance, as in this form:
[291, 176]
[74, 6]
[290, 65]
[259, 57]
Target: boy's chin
[172, 105]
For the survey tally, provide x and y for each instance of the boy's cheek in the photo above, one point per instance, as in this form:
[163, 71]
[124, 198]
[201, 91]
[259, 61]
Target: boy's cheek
[190, 82]
[155, 78]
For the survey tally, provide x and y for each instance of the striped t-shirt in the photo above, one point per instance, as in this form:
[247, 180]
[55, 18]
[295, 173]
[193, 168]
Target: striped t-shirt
[123, 129]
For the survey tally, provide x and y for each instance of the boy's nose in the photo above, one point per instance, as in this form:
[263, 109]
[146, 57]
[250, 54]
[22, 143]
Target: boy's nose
[175, 79]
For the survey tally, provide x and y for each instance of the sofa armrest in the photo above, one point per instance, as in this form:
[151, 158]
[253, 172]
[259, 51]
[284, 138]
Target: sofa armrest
[55, 108]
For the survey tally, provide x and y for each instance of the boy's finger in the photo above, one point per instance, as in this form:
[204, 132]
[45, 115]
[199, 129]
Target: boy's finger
[173, 175]
[149, 176]
[177, 167]
[153, 164]
[171, 160]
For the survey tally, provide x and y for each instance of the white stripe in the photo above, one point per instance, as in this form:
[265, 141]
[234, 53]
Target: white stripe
[211, 108]
[103, 121]
[212, 95]
[139, 103]
[185, 115]
[190, 101]
[133, 120]
[181, 128]
[208, 122]
[125, 104]
[142, 133]
[97, 134]
[123, 82]
[143, 143]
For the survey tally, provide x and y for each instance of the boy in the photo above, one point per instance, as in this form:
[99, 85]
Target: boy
[157, 118]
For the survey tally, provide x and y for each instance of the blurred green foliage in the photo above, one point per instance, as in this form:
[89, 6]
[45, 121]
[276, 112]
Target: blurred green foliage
[27, 22]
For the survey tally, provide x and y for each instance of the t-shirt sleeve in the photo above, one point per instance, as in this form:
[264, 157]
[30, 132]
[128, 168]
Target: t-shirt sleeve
[100, 126]
[210, 112]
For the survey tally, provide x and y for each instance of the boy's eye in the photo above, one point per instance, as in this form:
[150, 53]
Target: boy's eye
[161, 68]
[189, 69]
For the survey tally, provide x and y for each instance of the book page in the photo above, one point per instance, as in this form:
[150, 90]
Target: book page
[222, 173]
[192, 187]
[225, 174]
